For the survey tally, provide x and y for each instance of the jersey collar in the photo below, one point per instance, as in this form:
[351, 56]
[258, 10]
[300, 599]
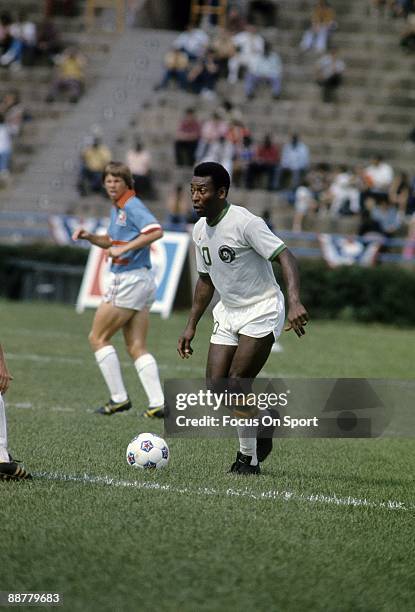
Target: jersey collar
[220, 216]
[124, 198]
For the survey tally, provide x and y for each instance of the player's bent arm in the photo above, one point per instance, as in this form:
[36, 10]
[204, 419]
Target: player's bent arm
[140, 242]
[202, 297]
[297, 315]
[100, 240]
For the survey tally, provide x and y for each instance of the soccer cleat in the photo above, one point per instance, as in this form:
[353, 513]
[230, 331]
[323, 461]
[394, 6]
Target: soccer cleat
[12, 471]
[154, 413]
[242, 465]
[264, 437]
[114, 407]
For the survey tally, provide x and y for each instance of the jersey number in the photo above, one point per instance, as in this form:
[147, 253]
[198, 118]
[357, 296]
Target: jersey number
[206, 256]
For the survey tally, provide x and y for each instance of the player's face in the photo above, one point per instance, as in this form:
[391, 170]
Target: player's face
[203, 194]
[115, 187]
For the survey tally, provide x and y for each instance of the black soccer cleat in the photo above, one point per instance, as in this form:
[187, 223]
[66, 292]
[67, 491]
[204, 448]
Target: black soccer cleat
[114, 407]
[264, 437]
[242, 465]
[11, 470]
[154, 413]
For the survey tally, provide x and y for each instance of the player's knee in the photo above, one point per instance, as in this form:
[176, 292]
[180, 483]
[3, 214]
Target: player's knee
[95, 340]
[136, 349]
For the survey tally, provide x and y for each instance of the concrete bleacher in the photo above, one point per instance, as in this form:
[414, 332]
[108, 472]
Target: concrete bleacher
[373, 114]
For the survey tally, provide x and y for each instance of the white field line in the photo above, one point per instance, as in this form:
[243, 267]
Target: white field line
[270, 495]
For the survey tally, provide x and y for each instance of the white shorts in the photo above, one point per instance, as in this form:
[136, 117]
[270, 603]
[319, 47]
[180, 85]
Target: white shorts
[134, 289]
[257, 321]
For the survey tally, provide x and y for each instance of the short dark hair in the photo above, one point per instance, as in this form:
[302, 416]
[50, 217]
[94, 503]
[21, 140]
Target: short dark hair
[121, 171]
[219, 175]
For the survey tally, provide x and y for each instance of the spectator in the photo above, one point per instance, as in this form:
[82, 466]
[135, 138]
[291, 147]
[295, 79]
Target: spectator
[243, 157]
[25, 31]
[13, 112]
[203, 76]
[224, 49]
[295, 160]
[378, 177]
[5, 149]
[138, 159]
[387, 216]
[399, 192]
[176, 64]
[193, 42]
[329, 72]
[267, 68]
[10, 47]
[187, 138]
[212, 130]
[323, 22]
[94, 158]
[177, 210]
[235, 21]
[70, 76]
[48, 44]
[343, 193]
[265, 162]
[303, 203]
[236, 133]
[221, 151]
[248, 45]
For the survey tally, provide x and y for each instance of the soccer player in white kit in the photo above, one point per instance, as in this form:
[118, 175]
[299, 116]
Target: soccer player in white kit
[9, 468]
[234, 251]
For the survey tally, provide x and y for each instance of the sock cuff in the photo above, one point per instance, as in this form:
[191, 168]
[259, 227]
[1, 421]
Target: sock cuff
[144, 361]
[100, 354]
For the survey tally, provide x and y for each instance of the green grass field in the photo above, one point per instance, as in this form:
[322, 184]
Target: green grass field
[329, 525]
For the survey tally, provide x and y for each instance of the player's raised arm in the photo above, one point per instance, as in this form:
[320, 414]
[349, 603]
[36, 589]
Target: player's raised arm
[103, 241]
[297, 315]
[202, 297]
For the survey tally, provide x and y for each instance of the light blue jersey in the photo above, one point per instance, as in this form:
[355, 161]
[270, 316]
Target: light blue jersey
[129, 219]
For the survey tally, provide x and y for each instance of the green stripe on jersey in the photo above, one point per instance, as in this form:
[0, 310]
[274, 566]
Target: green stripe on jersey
[277, 252]
[219, 216]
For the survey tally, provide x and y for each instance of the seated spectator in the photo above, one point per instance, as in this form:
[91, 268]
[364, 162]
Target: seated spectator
[138, 159]
[48, 44]
[323, 22]
[399, 192]
[187, 138]
[11, 48]
[265, 162]
[329, 73]
[5, 149]
[243, 156]
[211, 130]
[407, 40]
[177, 210]
[266, 68]
[221, 151]
[343, 193]
[25, 31]
[248, 45]
[295, 161]
[235, 21]
[378, 177]
[13, 112]
[203, 76]
[236, 133]
[303, 204]
[224, 49]
[387, 216]
[193, 42]
[94, 158]
[70, 75]
[176, 64]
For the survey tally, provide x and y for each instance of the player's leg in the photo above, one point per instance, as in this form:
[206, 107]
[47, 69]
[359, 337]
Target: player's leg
[135, 335]
[107, 321]
[9, 468]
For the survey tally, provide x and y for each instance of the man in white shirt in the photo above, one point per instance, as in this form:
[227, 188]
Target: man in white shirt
[234, 251]
[249, 46]
[295, 160]
[378, 177]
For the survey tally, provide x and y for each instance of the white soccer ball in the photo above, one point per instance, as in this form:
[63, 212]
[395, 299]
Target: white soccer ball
[147, 450]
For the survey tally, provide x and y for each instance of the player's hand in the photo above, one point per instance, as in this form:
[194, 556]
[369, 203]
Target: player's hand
[80, 234]
[5, 379]
[183, 346]
[115, 251]
[297, 318]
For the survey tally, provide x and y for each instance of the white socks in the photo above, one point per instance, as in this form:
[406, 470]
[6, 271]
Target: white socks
[109, 364]
[148, 373]
[4, 455]
[247, 441]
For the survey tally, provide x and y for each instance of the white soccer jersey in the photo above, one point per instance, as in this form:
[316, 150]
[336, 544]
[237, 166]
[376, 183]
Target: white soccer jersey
[236, 250]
